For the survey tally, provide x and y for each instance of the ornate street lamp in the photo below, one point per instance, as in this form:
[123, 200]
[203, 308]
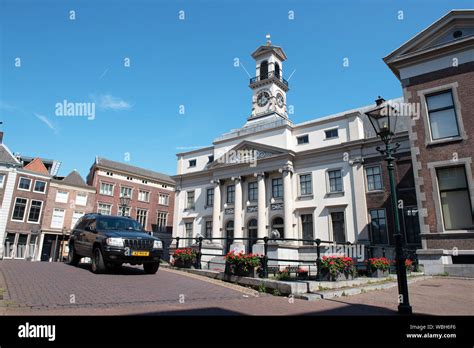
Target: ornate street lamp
[124, 203]
[384, 121]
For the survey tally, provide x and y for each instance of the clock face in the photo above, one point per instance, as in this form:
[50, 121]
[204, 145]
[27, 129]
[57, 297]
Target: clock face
[280, 100]
[263, 99]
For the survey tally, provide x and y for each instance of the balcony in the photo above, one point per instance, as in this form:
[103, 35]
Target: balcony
[270, 76]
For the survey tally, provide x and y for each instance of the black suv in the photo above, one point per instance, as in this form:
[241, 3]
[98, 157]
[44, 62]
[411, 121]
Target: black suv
[111, 241]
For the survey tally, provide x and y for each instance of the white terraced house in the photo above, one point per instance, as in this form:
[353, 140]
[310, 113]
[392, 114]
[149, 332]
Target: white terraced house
[304, 180]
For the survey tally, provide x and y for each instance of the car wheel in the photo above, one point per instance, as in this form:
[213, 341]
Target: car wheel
[151, 268]
[72, 258]
[98, 264]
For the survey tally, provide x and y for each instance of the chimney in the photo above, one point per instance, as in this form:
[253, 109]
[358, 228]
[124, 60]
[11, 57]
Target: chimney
[1, 137]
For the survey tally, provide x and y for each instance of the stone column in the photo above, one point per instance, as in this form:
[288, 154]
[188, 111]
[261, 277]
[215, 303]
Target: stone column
[238, 233]
[288, 201]
[262, 216]
[216, 211]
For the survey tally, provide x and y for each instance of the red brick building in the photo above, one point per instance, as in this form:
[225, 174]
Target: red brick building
[436, 70]
[151, 193]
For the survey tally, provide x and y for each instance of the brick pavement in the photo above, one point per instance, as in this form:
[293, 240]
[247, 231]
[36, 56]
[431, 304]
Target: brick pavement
[44, 289]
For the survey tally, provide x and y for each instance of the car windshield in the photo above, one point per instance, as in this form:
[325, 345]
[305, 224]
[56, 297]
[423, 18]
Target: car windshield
[113, 223]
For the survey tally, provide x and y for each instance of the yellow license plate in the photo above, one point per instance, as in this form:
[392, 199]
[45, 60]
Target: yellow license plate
[140, 253]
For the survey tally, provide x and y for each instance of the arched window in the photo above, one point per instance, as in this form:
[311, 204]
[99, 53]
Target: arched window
[252, 229]
[263, 70]
[277, 224]
[229, 234]
[277, 70]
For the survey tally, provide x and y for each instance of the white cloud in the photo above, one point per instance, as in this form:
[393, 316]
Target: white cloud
[109, 102]
[7, 107]
[47, 122]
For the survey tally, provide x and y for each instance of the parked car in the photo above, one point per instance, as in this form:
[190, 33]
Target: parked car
[111, 241]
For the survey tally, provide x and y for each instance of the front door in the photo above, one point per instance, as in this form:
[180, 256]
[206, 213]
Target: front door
[47, 250]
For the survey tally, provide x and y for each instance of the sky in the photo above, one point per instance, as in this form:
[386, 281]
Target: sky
[162, 74]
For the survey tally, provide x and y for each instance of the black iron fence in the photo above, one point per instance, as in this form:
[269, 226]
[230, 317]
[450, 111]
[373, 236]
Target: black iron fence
[312, 265]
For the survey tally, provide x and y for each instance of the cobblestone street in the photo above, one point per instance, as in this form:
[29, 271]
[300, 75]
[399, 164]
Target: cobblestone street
[59, 289]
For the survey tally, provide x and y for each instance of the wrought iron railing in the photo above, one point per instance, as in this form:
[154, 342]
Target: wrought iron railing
[269, 75]
[315, 263]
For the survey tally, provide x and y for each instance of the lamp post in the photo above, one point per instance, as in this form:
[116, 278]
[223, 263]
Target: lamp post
[384, 121]
[124, 203]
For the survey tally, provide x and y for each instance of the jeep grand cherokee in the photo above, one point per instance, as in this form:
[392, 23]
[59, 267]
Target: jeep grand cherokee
[111, 241]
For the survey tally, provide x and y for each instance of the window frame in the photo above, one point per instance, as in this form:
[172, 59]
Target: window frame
[104, 204]
[191, 205]
[386, 226]
[227, 196]
[2, 180]
[56, 196]
[63, 220]
[452, 107]
[147, 194]
[300, 188]
[81, 194]
[45, 186]
[328, 180]
[302, 139]
[24, 212]
[382, 188]
[127, 188]
[39, 214]
[209, 194]
[140, 216]
[327, 131]
[106, 183]
[29, 185]
[278, 185]
[254, 190]
[192, 163]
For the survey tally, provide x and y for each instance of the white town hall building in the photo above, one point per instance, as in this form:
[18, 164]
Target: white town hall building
[304, 180]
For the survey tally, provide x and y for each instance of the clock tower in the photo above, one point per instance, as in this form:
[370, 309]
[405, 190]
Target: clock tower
[268, 86]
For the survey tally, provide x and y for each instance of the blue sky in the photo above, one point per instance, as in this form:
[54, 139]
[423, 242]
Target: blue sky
[186, 62]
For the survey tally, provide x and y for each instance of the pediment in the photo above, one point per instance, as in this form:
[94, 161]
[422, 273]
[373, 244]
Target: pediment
[278, 51]
[438, 34]
[247, 152]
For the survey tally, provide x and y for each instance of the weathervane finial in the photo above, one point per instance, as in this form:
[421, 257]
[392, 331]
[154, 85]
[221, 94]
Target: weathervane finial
[268, 39]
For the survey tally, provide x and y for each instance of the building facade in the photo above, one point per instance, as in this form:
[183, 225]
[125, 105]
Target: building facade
[436, 71]
[151, 193]
[68, 199]
[306, 181]
[25, 216]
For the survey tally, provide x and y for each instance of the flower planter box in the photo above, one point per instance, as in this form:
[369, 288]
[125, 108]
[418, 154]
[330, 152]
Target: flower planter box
[326, 276]
[183, 263]
[378, 273]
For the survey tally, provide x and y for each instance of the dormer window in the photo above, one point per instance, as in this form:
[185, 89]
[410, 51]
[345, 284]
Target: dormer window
[211, 159]
[192, 163]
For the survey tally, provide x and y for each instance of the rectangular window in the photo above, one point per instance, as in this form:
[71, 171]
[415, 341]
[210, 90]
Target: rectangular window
[456, 204]
[142, 216]
[304, 139]
[35, 211]
[40, 186]
[378, 226]
[338, 227]
[331, 133]
[208, 231]
[106, 189]
[306, 187]
[81, 198]
[57, 221]
[24, 184]
[123, 211]
[374, 178]
[412, 225]
[210, 159]
[161, 221]
[442, 115]
[62, 196]
[335, 180]
[210, 197]
[2, 180]
[188, 226]
[19, 209]
[125, 191]
[144, 196]
[9, 245]
[277, 188]
[253, 191]
[230, 194]
[190, 200]
[75, 218]
[307, 225]
[163, 199]
[192, 163]
[21, 246]
[104, 209]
